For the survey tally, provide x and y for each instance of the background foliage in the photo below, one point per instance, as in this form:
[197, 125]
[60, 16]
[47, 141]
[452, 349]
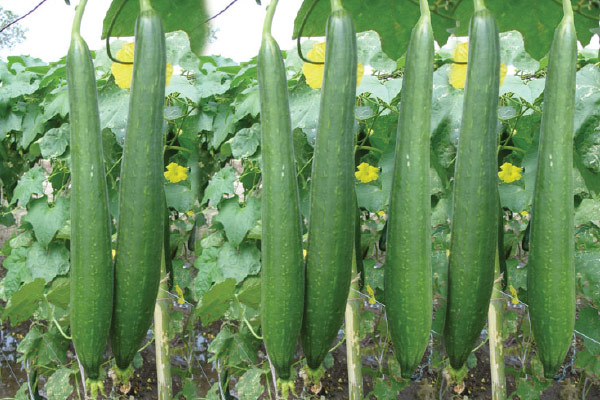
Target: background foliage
[212, 129]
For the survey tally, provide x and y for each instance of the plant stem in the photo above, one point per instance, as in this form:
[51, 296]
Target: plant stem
[336, 5]
[355, 381]
[495, 322]
[479, 5]
[161, 341]
[568, 9]
[145, 5]
[424, 8]
[269, 17]
[77, 19]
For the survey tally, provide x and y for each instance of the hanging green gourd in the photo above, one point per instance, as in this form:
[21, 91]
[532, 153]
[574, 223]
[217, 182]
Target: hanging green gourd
[475, 204]
[551, 269]
[282, 299]
[332, 205]
[141, 198]
[408, 295]
[91, 259]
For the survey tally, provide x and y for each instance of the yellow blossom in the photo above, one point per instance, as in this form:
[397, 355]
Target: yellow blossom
[381, 213]
[303, 253]
[180, 298]
[189, 213]
[513, 293]
[458, 72]
[366, 173]
[509, 173]
[314, 72]
[524, 213]
[175, 173]
[123, 72]
[114, 253]
[371, 295]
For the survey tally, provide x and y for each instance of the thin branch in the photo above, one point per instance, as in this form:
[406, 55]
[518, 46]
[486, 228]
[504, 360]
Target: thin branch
[222, 11]
[20, 18]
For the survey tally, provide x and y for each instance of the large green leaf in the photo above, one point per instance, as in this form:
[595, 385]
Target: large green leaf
[535, 19]
[185, 15]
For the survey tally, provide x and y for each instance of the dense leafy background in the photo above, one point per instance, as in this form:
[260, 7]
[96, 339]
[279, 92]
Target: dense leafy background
[393, 21]
[212, 127]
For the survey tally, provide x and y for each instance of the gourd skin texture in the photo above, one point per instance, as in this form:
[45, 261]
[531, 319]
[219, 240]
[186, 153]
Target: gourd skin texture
[475, 203]
[282, 296]
[408, 294]
[332, 205]
[551, 270]
[91, 259]
[141, 201]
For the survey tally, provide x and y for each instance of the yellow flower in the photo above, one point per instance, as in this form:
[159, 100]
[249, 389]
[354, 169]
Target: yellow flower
[524, 213]
[180, 298]
[366, 173]
[114, 253]
[123, 72]
[513, 293]
[189, 213]
[314, 72]
[371, 295]
[458, 72]
[381, 213]
[176, 173]
[303, 253]
[509, 173]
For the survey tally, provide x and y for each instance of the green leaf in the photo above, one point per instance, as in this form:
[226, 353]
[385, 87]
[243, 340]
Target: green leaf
[58, 386]
[24, 302]
[46, 220]
[59, 293]
[588, 274]
[208, 272]
[246, 141]
[215, 302]
[249, 386]
[588, 210]
[33, 124]
[55, 141]
[369, 196]
[185, 15]
[48, 263]
[221, 344]
[31, 183]
[393, 21]
[514, 196]
[587, 95]
[248, 102]
[29, 346]
[113, 103]
[220, 184]
[237, 220]
[588, 323]
[57, 102]
[179, 196]
[223, 124]
[239, 263]
[250, 292]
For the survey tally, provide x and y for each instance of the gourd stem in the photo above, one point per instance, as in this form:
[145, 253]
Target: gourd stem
[567, 9]
[336, 5]
[479, 5]
[78, 16]
[269, 17]
[425, 8]
[145, 5]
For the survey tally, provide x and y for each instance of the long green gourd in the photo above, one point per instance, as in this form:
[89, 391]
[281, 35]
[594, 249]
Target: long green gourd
[551, 271]
[332, 205]
[282, 276]
[91, 259]
[141, 198]
[408, 295]
[475, 203]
